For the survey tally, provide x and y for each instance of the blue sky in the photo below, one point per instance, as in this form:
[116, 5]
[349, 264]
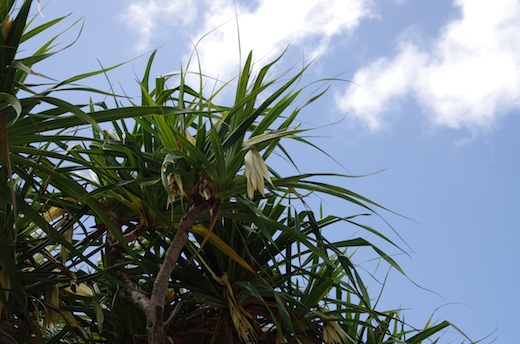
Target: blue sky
[434, 102]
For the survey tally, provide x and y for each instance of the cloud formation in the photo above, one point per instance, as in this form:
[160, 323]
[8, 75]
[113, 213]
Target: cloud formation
[265, 26]
[468, 77]
[150, 17]
[273, 25]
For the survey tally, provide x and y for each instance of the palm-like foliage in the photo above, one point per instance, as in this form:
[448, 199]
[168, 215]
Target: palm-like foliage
[96, 229]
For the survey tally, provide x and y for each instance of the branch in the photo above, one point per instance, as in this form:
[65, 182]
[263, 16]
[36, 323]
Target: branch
[139, 299]
[136, 233]
[154, 313]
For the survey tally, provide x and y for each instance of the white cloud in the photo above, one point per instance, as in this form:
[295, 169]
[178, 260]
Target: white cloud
[273, 25]
[149, 18]
[376, 88]
[468, 77]
[265, 26]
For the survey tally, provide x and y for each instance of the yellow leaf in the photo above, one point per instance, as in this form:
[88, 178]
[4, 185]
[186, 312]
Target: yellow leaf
[221, 245]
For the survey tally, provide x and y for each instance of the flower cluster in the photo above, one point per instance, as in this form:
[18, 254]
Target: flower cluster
[256, 171]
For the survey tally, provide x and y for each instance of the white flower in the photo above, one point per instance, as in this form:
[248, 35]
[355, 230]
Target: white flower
[256, 171]
[333, 333]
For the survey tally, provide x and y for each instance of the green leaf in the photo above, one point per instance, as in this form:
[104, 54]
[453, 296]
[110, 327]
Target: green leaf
[6, 98]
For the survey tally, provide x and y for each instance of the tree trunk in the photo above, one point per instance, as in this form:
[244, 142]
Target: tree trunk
[155, 310]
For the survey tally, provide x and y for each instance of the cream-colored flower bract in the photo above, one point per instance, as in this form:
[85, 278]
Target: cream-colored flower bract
[334, 334]
[256, 171]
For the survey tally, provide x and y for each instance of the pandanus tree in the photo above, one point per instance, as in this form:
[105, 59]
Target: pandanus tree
[204, 171]
[166, 221]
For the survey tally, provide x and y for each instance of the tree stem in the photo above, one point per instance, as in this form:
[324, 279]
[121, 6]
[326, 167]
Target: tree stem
[155, 311]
